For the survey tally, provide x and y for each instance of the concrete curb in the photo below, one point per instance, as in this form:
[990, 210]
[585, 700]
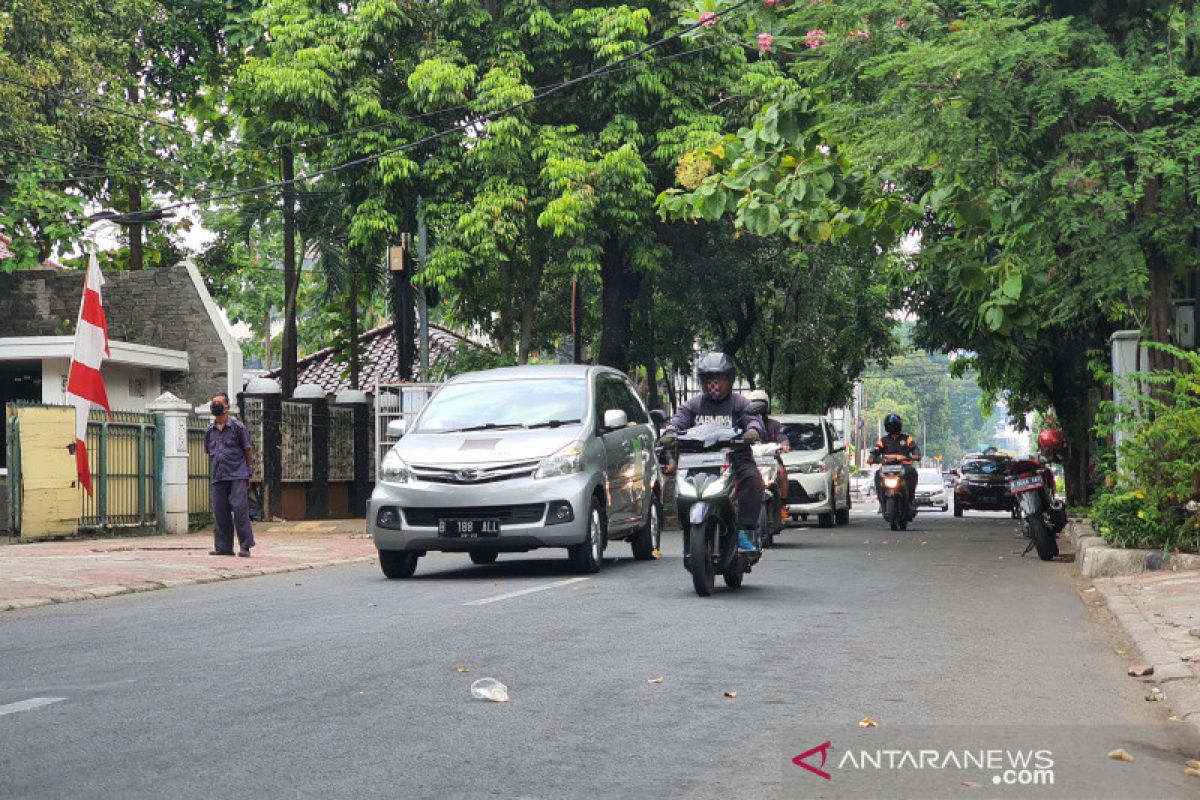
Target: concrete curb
[98, 592]
[1095, 559]
[1170, 671]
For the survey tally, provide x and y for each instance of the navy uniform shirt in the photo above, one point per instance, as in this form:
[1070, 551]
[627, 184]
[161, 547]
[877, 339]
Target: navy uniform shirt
[729, 413]
[227, 451]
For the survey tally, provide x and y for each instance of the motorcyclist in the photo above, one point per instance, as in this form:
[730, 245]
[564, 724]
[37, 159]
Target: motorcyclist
[776, 434]
[896, 447]
[718, 405]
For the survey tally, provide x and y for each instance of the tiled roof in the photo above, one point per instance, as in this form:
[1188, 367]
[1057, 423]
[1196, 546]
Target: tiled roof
[378, 359]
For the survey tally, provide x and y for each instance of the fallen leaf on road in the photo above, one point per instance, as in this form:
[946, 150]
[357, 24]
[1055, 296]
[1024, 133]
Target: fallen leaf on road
[924, 543]
[1192, 763]
[1174, 718]
[1194, 773]
[731, 695]
[1120, 755]
[866, 541]
[655, 680]
[1090, 589]
[1139, 670]
[867, 722]
[462, 669]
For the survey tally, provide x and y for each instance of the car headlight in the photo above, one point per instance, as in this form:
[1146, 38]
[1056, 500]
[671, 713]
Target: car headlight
[809, 467]
[393, 469]
[567, 461]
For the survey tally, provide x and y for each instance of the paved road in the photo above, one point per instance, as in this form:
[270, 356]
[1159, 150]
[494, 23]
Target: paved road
[338, 683]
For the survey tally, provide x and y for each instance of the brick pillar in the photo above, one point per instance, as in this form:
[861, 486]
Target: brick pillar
[360, 488]
[171, 416]
[271, 395]
[317, 497]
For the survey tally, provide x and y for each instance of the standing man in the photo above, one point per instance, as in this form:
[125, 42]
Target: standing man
[231, 462]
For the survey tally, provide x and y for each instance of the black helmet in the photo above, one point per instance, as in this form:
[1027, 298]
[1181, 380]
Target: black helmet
[892, 423]
[716, 364]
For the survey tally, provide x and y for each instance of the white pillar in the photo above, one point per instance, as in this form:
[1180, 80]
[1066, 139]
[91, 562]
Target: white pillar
[173, 482]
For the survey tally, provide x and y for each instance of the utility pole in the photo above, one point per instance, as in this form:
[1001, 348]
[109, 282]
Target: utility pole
[400, 268]
[422, 302]
[290, 281]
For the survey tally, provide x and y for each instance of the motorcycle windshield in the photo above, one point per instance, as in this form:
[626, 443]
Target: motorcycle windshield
[706, 437]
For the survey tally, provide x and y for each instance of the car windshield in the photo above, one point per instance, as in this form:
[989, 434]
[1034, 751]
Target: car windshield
[498, 405]
[804, 435]
[929, 477]
[983, 467]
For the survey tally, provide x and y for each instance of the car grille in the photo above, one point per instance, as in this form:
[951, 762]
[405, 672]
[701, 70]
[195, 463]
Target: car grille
[473, 475]
[525, 514]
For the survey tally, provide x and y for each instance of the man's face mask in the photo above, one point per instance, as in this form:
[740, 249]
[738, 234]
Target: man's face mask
[217, 408]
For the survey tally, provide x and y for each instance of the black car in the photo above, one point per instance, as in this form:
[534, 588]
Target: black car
[983, 485]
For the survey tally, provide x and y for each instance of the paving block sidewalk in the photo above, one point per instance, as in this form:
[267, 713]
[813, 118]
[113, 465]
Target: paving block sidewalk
[1158, 610]
[40, 573]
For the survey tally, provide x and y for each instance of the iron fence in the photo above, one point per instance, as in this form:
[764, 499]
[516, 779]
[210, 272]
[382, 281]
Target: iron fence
[296, 436]
[121, 455]
[395, 401]
[199, 496]
[252, 418]
[341, 444]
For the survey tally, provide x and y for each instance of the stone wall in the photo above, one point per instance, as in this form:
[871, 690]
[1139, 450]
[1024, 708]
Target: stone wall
[158, 307]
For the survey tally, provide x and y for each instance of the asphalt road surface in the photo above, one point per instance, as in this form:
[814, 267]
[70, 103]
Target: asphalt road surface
[339, 683]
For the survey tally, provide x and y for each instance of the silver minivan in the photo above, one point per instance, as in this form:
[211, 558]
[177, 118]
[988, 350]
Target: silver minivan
[517, 458]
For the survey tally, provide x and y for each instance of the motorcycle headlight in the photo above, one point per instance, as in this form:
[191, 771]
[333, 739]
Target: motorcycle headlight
[716, 487]
[891, 483]
[567, 461]
[393, 469]
[685, 488]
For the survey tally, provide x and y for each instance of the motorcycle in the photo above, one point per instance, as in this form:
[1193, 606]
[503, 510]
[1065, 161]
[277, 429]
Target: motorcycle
[1041, 515]
[705, 499]
[770, 521]
[896, 507]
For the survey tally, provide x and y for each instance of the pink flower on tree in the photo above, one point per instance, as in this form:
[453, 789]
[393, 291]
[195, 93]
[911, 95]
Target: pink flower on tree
[708, 18]
[771, 3]
[859, 35]
[765, 42]
[901, 22]
[815, 38]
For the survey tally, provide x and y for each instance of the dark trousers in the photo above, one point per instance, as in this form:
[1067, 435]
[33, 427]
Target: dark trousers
[750, 488]
[231, 507]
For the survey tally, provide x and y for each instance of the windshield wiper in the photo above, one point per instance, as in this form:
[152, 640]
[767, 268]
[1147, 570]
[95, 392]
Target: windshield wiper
[487, 426]
[553, 423]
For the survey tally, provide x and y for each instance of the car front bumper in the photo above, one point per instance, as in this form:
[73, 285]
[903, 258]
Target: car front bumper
[809, 493]
[420, 504]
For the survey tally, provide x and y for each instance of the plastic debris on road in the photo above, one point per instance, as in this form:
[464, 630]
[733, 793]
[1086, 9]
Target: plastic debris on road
[490, 689]
[655, 680]
[867, 722]
[462, 669]
[1155, 695]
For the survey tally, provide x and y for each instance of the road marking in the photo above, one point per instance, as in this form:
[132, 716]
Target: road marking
[31, 703]
[519, 592]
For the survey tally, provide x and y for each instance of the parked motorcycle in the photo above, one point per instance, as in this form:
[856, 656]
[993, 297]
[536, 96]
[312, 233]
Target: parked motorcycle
[770, 521]
[1041, 515]
[705, 500]
[896, 508]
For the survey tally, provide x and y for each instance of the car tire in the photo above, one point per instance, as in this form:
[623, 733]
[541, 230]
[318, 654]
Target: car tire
[484, 556]
[958, 510]
[398, 563]
[588, 556]
[825, 520]
[648, 540]
[842, 515]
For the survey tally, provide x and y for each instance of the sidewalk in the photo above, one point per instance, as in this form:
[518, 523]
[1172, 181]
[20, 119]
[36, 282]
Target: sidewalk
[40, 573]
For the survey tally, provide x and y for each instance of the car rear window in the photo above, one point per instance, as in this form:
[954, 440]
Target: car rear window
[929, 477]
[508, 403]
[804, 436]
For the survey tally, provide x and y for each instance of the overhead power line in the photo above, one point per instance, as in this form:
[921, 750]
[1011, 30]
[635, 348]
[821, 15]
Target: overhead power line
[470, 124]
[74, 98]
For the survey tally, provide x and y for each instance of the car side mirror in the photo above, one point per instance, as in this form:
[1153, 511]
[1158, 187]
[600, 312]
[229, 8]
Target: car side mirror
[838, 446]
[659, 416]
[615, 418]
[395, 428]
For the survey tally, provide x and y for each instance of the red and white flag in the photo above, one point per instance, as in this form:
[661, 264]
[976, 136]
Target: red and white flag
[85, 385]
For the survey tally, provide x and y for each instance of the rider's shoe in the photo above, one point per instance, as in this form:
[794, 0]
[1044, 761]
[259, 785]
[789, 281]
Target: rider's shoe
[745, 543]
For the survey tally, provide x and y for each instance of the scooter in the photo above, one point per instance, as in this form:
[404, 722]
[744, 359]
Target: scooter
[705, 498]
[896, 508]
[1041, 515]
[770, 521]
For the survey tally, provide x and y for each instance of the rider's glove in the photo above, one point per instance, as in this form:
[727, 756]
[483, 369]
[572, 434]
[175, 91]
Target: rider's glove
[751, 437]
[667, 439]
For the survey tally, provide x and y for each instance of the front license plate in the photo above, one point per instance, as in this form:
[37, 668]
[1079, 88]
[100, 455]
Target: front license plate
[1031, 482]
[469, 528]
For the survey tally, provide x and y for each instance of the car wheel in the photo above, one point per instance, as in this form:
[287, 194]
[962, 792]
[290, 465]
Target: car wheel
[588, 556]
[842, 515]
[484, 556]
[958, 510]
[647, 541]
[398, 563]
[825, 520]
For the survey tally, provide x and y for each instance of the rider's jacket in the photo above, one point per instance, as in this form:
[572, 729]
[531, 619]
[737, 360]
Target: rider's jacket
[896, 448]
[730, 412]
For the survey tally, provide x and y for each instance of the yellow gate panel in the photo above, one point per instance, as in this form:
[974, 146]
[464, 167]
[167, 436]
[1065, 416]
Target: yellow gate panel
[49, 500]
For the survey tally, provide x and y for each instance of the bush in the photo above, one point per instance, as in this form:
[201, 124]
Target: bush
[1158, 474]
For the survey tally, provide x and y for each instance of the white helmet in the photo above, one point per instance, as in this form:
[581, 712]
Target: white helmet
[759, 394]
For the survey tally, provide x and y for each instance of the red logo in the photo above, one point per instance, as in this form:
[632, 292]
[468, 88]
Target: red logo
[823, 750]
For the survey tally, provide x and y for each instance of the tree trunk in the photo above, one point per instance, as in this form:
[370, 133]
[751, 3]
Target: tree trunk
[290, 282]
[619, 287]
[533, 290]
[354, 355]
[1069, 388]
[1160, 316]
[267, 339]
[134, 192]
